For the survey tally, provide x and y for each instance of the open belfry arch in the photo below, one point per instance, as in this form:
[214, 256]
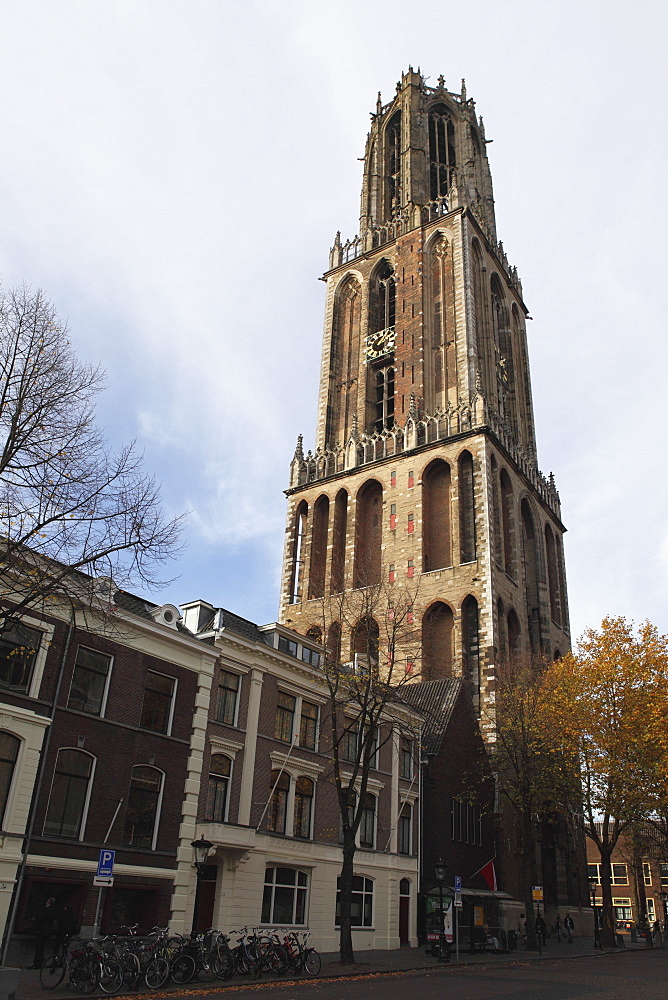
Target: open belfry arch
[425, 465]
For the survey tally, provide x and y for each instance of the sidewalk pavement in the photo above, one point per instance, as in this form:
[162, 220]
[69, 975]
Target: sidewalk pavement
[367, 963]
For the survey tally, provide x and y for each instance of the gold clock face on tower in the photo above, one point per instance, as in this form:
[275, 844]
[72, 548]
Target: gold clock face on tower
[380, 343]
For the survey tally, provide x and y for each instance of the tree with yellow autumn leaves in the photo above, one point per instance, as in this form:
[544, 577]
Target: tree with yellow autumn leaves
[608, 713]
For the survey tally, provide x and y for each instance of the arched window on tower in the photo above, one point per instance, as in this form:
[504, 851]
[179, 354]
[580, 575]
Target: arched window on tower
[393, 145]
[471, 645]
[532, 575]
[334, 643]
[484, 345]
[467, 533]
[337, 579]
[297, 555]
[368, 534]
[319, 533]
[513, 633]
[437, 633]
[507, 524]
[439, 341]
[382, 295]
[436, 508]
[344, 362]
[364, 640]
[552, 576]
[502, 630]
[442, 157]
[497, 537]
[383, 418]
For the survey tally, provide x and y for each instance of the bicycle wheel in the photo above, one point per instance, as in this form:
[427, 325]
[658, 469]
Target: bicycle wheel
[52, 972]
[131, 969]
[205, 971]
[85, 974]
[249, 963]
[223, 963]
[312, 962]
[183, 969]
[111, 976]
[157, 973]
[277, 959]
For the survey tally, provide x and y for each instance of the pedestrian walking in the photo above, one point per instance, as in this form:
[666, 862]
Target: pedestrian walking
[557, 927]
[569, 927]
[541, 929]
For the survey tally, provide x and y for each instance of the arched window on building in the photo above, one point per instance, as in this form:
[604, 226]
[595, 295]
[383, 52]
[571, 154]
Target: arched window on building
[142, 813]
[364, 640]
[393, 146]
[467, 532]
[532, 575]
[334, 643]
[507, 524]
[442, 157]
[436, 507]
[484, 344]
[382, 298]
[368, 822]
[552, 576]
[9, 751]
[70, 792]
[344, 362]
[437, 633]
[368, 534]
[319, 532]
[497, 537]
[502, 630]
[513, 633]
[338, 571]
[439, 340]
[220, 770]
[471, 644]
[297, 559]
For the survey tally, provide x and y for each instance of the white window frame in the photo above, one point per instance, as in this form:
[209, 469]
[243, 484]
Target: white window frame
[296, 768]
[170, 717]
[89, 791]
[216, 752]
[409, 852]
[224, 669]
[372, 846]
[107, 684]
[291, 798]
[40, 657]
[307, 903]
[362, 926]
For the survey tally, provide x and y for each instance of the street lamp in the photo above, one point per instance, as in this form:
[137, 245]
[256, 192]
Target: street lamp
[592, 895]
[440, 871]
[664, 900]
[201, 848]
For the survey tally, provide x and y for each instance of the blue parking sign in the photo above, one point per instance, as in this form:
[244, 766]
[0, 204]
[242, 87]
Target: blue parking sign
[105, 865]
[458, 883]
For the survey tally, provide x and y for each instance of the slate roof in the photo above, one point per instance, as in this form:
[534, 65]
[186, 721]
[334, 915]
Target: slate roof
[435, 700]
[242, 626]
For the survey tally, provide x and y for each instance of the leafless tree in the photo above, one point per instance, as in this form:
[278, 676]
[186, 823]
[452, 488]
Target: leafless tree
[371, 650]
[71, 508]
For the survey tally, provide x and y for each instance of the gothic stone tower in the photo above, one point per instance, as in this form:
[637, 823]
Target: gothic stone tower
[425, 455]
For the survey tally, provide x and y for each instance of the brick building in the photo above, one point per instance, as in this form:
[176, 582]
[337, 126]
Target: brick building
[638, 879]
[268, 802]
[100, 726]
[425, 464]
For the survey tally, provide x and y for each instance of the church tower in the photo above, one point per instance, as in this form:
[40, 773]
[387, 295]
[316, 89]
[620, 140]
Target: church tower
[424, 464]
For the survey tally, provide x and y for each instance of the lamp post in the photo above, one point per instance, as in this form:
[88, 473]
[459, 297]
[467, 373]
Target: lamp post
[201, 848]
[440, 871]
[664, 900]
[592, 896]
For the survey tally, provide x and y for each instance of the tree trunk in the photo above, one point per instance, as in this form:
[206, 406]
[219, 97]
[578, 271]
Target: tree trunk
[345, 898]
[608, 939]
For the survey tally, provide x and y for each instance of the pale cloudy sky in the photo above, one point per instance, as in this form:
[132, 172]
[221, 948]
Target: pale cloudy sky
[173, 172]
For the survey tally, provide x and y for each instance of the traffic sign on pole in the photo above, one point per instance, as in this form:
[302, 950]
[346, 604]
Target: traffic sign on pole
[103, 881]
[458, 883]
[105, 866]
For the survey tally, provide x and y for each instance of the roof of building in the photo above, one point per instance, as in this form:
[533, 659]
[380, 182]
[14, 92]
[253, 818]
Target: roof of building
[435, 700]
[242, 626]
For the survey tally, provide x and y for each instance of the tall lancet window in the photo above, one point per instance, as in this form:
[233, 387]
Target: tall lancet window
[440, 295]
[383, 298]
[384, 399]
[344, 362]
[441, 151]
[393, 145]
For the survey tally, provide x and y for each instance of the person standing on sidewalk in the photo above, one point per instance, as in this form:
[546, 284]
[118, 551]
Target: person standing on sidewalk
[541, 929]
[46, 925]
[569, 927]
[557, 928]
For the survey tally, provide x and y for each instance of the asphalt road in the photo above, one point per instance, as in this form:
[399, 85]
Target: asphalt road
[630, 976]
